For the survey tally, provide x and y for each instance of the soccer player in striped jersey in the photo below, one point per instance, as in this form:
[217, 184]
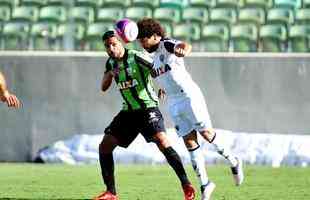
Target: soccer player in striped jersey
[6, 96]
[185, 101]
[140, 114]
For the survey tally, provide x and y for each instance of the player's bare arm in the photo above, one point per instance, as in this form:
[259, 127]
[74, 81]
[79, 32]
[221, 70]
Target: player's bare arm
[106, 81]
[182, 49]
[2, 84]
[6, 96]
[161, 94]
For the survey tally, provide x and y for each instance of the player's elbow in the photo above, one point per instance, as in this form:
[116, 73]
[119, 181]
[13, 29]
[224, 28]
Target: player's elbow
[105, 84]
[104, 88]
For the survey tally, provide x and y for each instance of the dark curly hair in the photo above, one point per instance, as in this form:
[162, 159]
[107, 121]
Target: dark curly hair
[108, 34]
[148, 27]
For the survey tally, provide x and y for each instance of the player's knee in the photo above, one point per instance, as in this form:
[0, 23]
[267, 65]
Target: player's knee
[103, 147]
[162, 143]
[190, 143]
[208, 134]
[190, 140]
[107, 145]
[161, 140]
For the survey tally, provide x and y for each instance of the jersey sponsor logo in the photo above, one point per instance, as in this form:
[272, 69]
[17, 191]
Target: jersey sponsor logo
[160, 70]
[127, 84]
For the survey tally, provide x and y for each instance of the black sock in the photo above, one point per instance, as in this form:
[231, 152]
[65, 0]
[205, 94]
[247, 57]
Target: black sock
[175, 162]
[107, 171]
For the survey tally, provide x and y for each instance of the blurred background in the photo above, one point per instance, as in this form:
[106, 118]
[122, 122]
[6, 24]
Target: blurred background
[210, 25]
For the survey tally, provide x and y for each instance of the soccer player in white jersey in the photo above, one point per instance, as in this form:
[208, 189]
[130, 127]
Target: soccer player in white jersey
[185, 100]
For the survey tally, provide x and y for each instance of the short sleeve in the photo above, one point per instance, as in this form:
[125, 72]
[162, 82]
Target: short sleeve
[170, 44]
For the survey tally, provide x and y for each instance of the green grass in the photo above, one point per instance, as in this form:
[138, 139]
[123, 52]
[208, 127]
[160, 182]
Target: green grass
[136, 182]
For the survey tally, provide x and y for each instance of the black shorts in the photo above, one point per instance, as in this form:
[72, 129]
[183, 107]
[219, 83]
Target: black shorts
[126, 125]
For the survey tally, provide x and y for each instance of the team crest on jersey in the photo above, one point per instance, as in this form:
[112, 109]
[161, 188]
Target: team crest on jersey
[129, 71]
[127, 84]
[160, 70]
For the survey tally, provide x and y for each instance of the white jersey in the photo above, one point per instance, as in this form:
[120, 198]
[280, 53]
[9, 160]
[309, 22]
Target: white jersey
[185, 101]
[169, 71]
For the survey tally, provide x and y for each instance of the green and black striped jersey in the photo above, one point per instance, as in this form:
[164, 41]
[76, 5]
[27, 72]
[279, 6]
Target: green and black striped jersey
[133, 79]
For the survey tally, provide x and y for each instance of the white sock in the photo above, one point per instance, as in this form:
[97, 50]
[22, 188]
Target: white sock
[224, 152]
[198, 163]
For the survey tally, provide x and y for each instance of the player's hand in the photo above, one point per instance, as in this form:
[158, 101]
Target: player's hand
[182, 49]
[10, 99]
[161, 94]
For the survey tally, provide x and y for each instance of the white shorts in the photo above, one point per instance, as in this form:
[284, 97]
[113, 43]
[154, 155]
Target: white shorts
[189, 113]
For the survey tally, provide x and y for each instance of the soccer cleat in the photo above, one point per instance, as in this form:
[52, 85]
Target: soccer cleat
[189, 192]
[106, 196]
[206, 191]
[237, 172]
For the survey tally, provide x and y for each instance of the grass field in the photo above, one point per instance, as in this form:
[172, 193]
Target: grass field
[136, 182]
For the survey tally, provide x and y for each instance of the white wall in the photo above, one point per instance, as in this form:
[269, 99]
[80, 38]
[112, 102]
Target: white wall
[61, 96]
